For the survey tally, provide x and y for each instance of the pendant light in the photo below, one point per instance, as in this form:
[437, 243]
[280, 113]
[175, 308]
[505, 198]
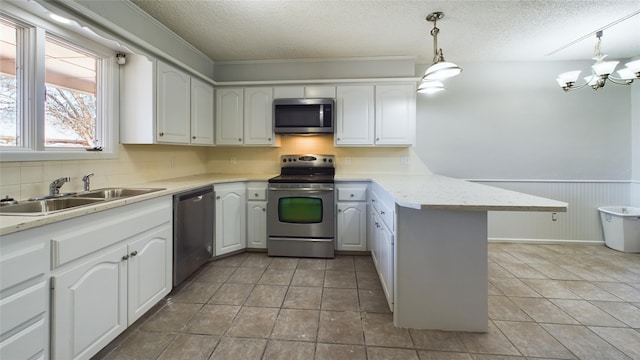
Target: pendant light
[440, 69]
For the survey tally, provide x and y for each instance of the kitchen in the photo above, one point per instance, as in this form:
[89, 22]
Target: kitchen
[477, 134]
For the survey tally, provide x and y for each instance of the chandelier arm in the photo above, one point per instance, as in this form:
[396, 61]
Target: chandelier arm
[572, 87]
[619, 81]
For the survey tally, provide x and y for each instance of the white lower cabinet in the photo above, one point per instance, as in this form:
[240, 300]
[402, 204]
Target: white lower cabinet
[89, 305]
[382, 251]
[109, 269]
[230, 217]
[351, 216]
[257, 215]
[24, 295]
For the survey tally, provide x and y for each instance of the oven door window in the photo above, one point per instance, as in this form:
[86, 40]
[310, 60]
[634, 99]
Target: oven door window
[300, 210]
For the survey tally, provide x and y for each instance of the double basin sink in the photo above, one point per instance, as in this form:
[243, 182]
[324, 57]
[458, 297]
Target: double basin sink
[57, 203]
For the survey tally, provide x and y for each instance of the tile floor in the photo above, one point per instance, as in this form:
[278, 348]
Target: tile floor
[545, 302]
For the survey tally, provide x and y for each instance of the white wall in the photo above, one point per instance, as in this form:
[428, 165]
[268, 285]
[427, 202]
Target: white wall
[512, 121]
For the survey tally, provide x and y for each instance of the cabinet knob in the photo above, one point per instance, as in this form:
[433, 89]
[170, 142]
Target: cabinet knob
[339, 210]
[193, 137]
[240, 139]
[339, 139]
[269, 139]
[352, 195]
[134, 253]
[381, 212]
[126, 257]
[218, 197]
[161, 134]
[264, 210]
[377, 139]
[256, 194]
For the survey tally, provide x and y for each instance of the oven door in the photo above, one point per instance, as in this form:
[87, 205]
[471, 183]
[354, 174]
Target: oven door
[300, 219]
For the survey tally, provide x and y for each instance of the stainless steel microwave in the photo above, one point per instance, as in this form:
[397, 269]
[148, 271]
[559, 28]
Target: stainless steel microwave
[303, 116]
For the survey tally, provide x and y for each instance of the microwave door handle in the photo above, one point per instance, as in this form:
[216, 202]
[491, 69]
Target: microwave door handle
[321, 115]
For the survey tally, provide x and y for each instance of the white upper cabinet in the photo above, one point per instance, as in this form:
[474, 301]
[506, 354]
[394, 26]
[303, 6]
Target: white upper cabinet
[162, 104]
[201, 113]
[324, 91]
[395, 115]
[244, 116]
[258, 116]
[355, 115]
[229, 116]
[288, 92]
[174, 106]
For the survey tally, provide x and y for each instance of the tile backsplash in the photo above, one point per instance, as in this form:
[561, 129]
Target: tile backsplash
[141, 163]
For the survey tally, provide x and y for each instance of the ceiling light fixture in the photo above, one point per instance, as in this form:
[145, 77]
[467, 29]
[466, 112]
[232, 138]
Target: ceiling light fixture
[600, 72]
[440, 69]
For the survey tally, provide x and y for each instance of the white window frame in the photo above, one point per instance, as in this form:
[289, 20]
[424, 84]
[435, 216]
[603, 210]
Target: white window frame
[31, 114]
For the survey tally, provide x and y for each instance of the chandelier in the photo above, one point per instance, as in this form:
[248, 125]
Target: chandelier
[440, 69]
[601, 71]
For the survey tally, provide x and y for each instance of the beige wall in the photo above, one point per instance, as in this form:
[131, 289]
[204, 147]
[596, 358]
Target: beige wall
[136, 164]
[141, 163]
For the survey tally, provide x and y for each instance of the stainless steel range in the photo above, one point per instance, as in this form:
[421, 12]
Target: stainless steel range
[300, 209]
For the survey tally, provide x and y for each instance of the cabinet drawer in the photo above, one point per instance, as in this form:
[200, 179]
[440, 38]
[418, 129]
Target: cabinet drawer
[22, 306]
[352, 194]
[257, 193]
[385, 209]
[25, 344]
[22, 265]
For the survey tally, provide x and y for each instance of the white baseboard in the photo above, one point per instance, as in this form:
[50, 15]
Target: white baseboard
[546, 241]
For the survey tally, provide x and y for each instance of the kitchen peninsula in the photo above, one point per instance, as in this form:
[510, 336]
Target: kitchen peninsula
[438, 262]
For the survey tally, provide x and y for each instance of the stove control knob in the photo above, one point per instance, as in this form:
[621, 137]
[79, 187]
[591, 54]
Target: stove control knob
[330, 160]
[284, 160]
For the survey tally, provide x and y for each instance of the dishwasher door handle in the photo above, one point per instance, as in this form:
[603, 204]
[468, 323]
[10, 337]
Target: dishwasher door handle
[198, 198]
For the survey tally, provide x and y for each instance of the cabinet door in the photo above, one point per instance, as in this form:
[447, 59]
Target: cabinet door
[229, 116]
[352, 226]
[257, 224]
[89, 305]
[355, 115]
[386, 251]
[258, 116]
[149, 272]
[374, 235]
[174, 104]
[395, 114]
[230, 214]
[201, 112]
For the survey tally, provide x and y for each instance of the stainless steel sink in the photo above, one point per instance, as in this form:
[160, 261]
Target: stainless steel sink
[48, 204]
[114, 193]
[41, 207]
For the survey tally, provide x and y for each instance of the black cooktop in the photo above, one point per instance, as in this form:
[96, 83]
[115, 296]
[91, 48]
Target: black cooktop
[314, 178]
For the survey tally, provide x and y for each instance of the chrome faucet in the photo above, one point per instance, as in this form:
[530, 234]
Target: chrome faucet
[54, 187]
[85, 180]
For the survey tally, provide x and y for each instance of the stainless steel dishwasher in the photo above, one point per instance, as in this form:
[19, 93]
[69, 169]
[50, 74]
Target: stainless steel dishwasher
[192, 231]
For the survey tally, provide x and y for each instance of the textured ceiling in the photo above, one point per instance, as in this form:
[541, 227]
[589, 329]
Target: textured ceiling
[472, 30]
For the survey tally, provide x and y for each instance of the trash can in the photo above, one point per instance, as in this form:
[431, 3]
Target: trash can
[621, 226]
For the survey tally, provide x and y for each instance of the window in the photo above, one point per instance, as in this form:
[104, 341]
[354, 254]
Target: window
[58, 92]
[8, 85]
[70, 102]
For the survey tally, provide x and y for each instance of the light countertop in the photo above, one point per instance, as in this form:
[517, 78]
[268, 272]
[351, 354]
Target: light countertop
[412, 191]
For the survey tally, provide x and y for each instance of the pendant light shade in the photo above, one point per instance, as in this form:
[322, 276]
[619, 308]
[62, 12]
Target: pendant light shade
[440, 69]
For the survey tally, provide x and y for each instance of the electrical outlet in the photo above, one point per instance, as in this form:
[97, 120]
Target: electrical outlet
[404, 160]
[554, 216]
[347, 161]
[233, 160]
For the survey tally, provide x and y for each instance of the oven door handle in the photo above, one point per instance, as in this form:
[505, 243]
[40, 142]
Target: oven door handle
[307, 189]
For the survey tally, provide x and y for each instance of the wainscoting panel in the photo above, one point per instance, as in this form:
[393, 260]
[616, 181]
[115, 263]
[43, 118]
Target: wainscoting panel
[581, 222]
